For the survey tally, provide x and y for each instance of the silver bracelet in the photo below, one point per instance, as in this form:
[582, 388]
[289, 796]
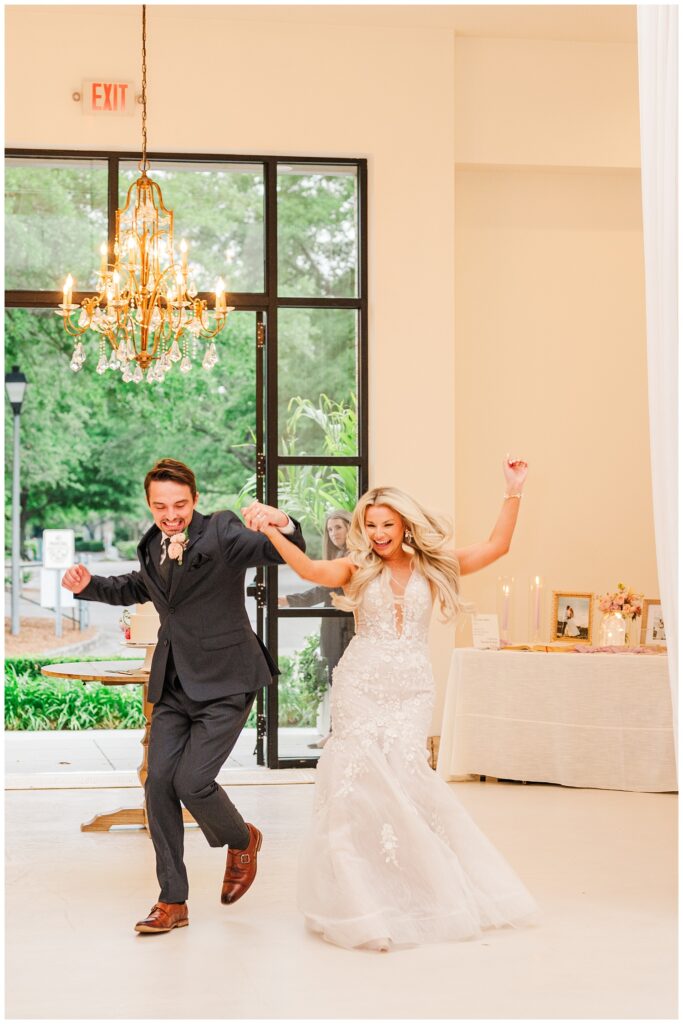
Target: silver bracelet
[518, 494]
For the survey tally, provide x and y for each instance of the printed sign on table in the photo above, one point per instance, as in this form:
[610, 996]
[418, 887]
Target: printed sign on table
[485, 634]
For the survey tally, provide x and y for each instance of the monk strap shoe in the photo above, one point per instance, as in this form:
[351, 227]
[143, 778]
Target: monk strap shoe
[163, 917]
[240, 868]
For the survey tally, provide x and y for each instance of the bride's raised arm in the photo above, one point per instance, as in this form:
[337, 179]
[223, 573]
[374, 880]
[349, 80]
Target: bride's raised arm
[333, 573]
[478, 556]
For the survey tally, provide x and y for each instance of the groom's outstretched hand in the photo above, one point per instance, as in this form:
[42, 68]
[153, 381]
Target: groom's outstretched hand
[257, 516]
[76, 579]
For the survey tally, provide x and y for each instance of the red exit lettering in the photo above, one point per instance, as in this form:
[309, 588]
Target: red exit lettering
[107, 97]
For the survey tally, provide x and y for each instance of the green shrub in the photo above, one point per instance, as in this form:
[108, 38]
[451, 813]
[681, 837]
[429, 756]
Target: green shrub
[302, 685]
[127, 549]
[33, 701]
[89, 545]
[25, 575]
[44, 704]
[31, 665]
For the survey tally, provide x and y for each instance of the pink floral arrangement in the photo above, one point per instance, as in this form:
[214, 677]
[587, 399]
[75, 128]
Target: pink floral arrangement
[623, 600]
[177, 546]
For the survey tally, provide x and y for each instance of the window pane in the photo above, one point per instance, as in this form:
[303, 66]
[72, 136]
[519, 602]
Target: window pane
[317, 382]
[321, 498]
[218, 210]
[55, 222]
[304, 684]
[317, 224]
[311, 494]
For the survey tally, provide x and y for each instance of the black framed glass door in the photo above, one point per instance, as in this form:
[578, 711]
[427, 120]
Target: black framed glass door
[317, 432]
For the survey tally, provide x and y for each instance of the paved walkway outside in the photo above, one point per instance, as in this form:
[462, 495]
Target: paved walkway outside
[110, 757]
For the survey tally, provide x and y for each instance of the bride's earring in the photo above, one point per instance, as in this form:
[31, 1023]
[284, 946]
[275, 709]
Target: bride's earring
[407, 541]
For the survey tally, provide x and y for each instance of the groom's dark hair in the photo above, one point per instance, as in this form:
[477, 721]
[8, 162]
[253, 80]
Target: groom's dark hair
[170, 469]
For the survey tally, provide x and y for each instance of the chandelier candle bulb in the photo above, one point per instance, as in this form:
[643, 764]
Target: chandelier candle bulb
[68, 287]
[103, 259]
[183, 252]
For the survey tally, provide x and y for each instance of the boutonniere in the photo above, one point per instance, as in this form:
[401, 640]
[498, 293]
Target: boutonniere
[177, 546]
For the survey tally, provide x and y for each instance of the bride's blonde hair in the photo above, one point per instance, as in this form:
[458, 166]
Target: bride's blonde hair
[428, 542]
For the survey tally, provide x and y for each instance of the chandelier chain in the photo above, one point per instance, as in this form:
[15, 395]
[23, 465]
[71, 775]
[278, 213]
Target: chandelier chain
[143, 165]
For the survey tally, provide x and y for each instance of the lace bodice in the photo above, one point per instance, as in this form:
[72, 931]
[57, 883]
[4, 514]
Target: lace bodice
[384, 617]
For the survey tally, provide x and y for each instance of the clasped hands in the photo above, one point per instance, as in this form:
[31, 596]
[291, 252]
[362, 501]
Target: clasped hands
[260, 517]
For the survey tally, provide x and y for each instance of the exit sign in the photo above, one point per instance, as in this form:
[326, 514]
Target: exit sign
[100, 97]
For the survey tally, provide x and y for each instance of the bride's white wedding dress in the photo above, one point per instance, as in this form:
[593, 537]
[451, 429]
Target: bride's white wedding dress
[393, 857]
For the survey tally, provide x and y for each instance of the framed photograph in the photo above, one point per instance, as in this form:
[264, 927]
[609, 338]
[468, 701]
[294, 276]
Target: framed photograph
[572, 617]
[652, 629]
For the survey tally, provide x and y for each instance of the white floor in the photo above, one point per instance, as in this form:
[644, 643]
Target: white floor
[602, 865]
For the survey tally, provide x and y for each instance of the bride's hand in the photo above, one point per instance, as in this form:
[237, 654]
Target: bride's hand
[515, 471]
[260, 517]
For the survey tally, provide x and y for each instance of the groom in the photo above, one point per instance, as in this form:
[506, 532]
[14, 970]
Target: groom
[207, 666]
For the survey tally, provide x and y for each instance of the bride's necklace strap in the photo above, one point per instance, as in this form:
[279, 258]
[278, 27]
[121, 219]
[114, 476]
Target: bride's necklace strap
[395, 579]
[398, 582]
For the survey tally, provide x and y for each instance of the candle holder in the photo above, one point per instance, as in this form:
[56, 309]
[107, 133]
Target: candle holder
[505, 608]
[535, 622]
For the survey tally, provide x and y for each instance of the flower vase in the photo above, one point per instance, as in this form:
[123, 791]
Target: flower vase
[613, 630]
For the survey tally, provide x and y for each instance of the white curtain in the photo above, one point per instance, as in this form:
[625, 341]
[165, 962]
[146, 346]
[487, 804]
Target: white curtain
[658, 81]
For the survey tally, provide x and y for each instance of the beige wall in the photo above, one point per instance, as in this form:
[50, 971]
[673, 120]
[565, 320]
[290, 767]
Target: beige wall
[551, 362]
[549, 300]
[546, 101]
[504, 312]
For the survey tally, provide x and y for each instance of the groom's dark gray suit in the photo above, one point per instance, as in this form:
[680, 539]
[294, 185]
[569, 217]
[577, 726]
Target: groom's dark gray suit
[207, 667]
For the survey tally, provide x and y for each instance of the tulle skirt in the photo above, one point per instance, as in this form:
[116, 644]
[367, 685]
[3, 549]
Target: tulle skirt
[393, 858]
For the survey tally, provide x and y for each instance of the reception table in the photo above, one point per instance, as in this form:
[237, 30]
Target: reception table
[115, 673]
[601, 721]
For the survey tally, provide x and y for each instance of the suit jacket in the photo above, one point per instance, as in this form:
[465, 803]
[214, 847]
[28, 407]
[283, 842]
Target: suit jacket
[203, 616]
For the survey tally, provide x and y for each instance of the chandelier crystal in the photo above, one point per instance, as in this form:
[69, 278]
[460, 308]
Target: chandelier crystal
[146, 312]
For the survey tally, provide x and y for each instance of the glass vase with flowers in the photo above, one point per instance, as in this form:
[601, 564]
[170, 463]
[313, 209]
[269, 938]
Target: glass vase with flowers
[619, 610]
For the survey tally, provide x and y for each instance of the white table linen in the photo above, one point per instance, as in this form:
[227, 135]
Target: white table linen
[600, 721]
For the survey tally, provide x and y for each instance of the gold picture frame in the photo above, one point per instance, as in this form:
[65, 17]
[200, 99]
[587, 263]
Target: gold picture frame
[579, 623]
[652, 629]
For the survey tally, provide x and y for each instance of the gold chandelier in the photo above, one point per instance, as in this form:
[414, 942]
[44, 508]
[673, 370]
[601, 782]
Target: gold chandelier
[146, 304]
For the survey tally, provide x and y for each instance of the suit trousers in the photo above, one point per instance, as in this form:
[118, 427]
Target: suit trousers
[189, 743]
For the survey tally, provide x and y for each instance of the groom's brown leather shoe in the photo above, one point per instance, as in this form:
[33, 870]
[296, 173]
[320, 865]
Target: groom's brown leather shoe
[240, 868]
[163, 917]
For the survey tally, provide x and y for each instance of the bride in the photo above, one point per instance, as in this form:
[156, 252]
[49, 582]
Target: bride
[393, 858]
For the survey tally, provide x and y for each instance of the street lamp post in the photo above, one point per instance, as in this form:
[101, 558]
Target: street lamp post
[15, 384]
